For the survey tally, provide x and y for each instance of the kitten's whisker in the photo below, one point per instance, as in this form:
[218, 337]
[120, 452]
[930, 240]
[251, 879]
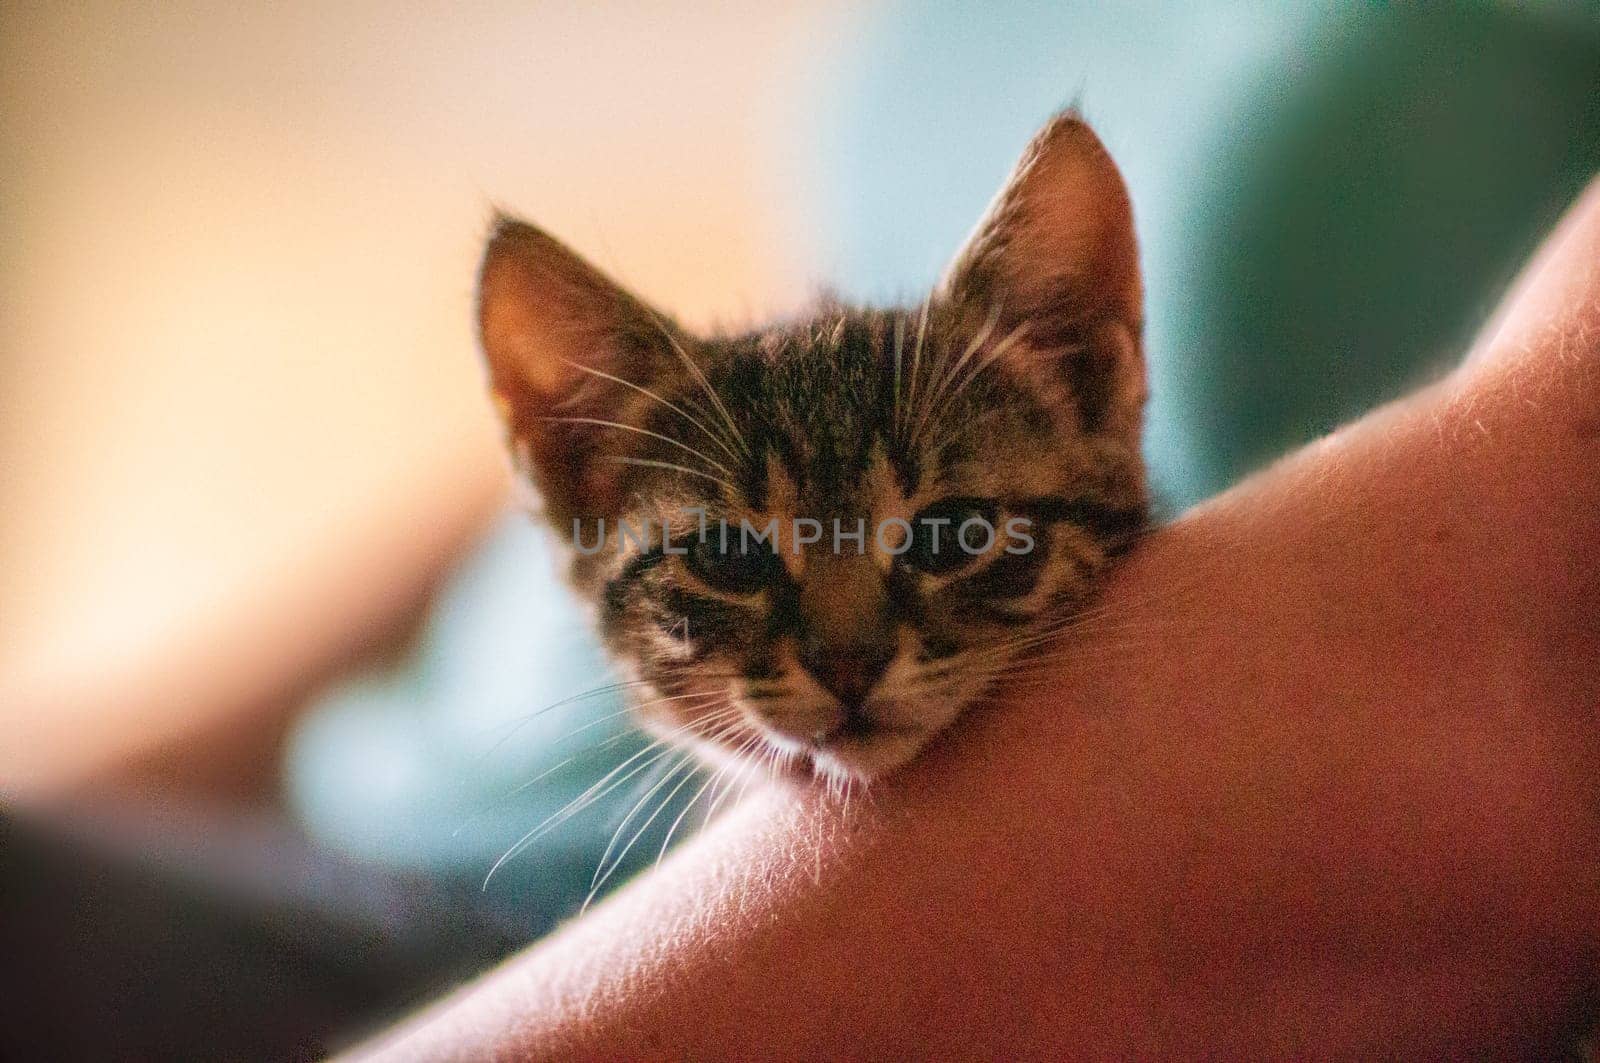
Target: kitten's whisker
[1028, 663]
[552, 769]
[666, 802]
[602, 374]
[761, 758]
[1089, 628]
[622, 825]
[635, 707]
[576, 805]
[991, 358]
[916, 354]
[899, 345]
[517, 725]
[667, 841]
[978, 341]
[590, 796]
[653, 464]
[613, 740]
[594, 793]
[741, 759]
[1099, 652]
[700, 377]
[1092, 619]
[597, 721]
[603, 423]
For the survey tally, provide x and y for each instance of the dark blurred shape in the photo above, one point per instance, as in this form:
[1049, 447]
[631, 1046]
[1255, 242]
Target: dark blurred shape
[1363, 220]
[154, 936]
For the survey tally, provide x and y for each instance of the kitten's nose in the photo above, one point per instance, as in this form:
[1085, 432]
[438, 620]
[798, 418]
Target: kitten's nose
[846, 672]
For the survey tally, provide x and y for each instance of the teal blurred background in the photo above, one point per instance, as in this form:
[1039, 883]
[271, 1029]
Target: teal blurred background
[1329, 200]
[1329, 197]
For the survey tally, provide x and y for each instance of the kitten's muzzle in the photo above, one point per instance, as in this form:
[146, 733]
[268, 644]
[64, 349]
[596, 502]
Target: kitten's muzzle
[847, 672]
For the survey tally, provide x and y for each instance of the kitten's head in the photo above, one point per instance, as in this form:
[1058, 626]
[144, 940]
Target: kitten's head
[827, 537]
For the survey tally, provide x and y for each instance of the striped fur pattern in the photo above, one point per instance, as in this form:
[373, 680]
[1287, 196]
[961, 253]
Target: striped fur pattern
[1013, 392]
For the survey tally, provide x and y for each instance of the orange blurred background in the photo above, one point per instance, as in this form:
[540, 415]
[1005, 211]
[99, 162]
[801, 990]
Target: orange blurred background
[242, 430]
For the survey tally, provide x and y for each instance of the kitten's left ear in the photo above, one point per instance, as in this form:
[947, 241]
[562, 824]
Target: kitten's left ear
[1055, 255]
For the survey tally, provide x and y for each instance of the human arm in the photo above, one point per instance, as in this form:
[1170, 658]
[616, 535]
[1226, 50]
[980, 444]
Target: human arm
[1320, 777]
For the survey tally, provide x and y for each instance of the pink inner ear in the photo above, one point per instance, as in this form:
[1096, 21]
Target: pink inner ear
[553, 328]
[1059, 236]
[548, 375]
[516, 316]
[1077, 223]
[1056, 257]
[544, 312]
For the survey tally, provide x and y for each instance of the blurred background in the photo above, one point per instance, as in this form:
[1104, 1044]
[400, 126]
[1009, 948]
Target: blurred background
[273, 649]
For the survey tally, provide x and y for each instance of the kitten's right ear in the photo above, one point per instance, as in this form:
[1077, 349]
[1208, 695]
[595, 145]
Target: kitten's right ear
[563, 344]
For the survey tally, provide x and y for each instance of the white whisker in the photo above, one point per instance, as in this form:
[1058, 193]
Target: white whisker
[601, 880]
[594, 793]
[916, 356]
[601, 422]
[603, 375]
[652, 464]
[977, 342]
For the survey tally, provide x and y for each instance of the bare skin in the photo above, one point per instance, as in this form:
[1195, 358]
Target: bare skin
[1319, 778]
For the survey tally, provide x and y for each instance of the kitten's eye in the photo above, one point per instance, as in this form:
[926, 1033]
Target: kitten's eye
[737, 568]
[951, 534]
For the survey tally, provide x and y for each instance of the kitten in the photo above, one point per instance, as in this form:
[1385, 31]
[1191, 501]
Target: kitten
[821, 540]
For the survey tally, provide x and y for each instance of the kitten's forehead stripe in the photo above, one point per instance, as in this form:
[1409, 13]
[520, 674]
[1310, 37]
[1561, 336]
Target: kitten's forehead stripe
[820, 399]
